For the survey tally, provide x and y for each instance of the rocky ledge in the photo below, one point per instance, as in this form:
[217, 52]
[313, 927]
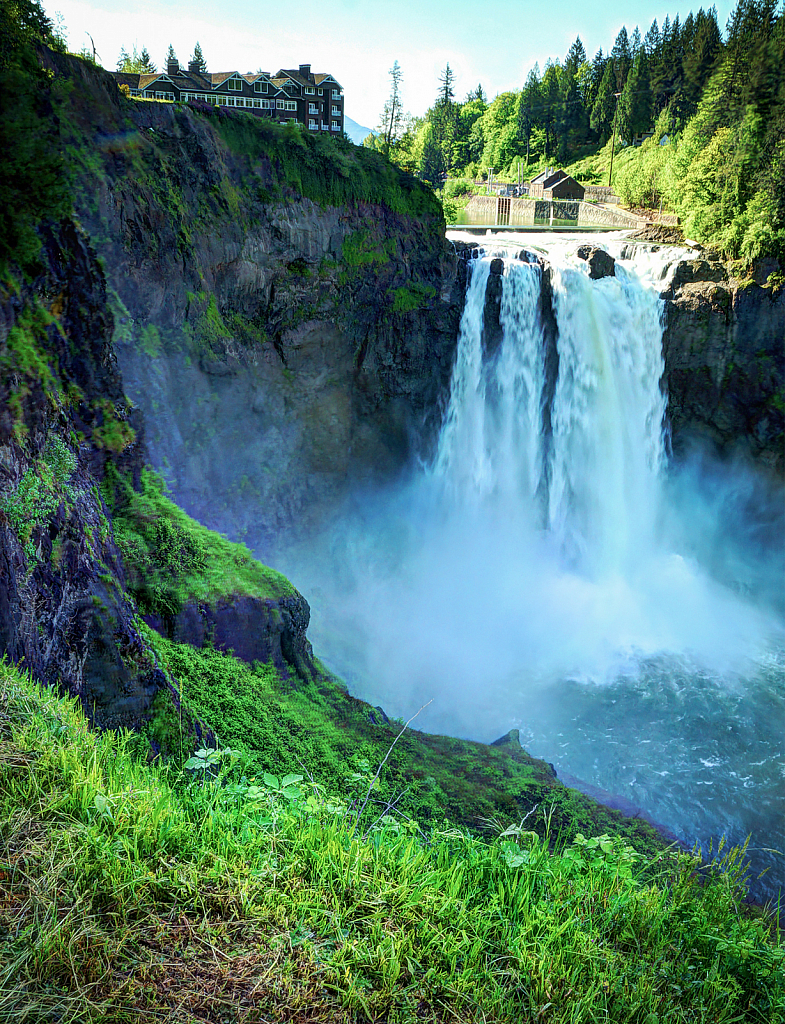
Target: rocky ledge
[725, 362]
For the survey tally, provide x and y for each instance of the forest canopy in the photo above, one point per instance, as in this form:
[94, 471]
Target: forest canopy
[712, 104]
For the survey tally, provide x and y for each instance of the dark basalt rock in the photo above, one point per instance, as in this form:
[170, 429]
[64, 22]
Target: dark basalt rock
[250, 628]
[725, 364]
[492, 332]
[601, 263]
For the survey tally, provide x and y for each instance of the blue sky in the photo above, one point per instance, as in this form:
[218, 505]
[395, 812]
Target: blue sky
[358, 40]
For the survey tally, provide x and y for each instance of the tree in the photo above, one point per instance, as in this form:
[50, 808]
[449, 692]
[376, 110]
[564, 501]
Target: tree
[197, 58]
[443, 117]
[605, 105]
[171, 57]
[528, 104]
[393, 112]
[33, 185]
[137, 62]
[446, 80]
[635, 102]
[146, 65]
[621, 57]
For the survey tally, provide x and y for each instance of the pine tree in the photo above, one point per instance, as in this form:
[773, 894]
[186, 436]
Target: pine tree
[171, 57]
[652, 41]
[604, 108]
[528, 107]
[146, 65]
[198, 58]
[123, 60]
[621, 57]
[392, 115]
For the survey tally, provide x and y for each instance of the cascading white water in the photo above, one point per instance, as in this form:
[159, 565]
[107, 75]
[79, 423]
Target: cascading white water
[606, 448]
[607, 418]
[544, 572]
[491, 441]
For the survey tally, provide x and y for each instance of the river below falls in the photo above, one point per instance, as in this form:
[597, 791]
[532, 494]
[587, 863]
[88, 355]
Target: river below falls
[551, 570]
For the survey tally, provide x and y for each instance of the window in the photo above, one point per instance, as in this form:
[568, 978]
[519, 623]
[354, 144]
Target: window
[336, 94]
[312, 108]
[336, 126]
[321, 92]
[260, 87]
[235, 84]
[165, 96]
[267, 104]
[286, 105]
[336, 111]
[312, 125]
[310, 91]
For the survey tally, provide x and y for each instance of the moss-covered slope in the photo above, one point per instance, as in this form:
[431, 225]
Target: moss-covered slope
[128, 892]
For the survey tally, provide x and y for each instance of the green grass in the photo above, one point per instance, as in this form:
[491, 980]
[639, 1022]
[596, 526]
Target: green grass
[170, 559]
[283, 725]
[129, 891]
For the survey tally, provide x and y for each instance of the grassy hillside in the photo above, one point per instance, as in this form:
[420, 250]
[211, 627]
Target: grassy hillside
[128, 890]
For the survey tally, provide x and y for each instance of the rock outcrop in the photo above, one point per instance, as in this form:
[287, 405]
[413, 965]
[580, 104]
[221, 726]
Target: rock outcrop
[64, 613]
[724, 348]
[312, 339]
[601, 263]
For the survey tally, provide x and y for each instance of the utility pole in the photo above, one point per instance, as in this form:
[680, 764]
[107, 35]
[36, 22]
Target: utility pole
[613, 144]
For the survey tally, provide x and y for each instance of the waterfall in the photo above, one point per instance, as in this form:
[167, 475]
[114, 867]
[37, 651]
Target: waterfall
[599, 469]
[551, 571]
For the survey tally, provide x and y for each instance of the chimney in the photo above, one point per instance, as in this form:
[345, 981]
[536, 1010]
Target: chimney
[173, 68]
[305, 71]
[193, 65]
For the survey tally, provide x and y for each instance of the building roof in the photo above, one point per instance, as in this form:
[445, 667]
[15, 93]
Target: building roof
[129, 78]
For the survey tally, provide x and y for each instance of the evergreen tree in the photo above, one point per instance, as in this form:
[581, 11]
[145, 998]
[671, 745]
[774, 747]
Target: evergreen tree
[171, 57]
[573, 121]
[529, 102]
[549, 92]
[146, 66]
[432, 165]
[605, 105]
[594, 78]
[635, 102]
[197, 57]
[392, 115]
[123, 60]
[700, 59]
[443, 119]
[652, 41]
[621, 57]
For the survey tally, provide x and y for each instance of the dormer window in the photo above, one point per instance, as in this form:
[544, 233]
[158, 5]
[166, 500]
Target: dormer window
[260, 87]
[235, 84]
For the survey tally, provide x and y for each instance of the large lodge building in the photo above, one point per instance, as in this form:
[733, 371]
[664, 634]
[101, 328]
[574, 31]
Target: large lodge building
[315, 100]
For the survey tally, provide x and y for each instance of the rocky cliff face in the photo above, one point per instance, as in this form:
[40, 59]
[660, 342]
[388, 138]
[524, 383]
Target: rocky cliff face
[281, 345]
[724, 347]
[63, 609]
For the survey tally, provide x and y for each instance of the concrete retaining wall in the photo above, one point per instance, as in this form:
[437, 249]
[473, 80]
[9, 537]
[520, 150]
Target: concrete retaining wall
[486, 209]
[603, 217]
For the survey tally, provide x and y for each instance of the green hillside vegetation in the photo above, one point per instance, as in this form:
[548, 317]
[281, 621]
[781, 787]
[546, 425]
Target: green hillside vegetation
[304, 858]
[717, 103]
[130, 889]
[171, 559]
